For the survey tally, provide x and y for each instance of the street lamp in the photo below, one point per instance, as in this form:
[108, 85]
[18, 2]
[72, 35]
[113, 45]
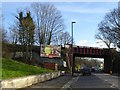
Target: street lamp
[72, 47]
[72, 31]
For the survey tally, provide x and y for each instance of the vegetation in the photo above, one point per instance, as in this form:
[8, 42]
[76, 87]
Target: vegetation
[63, 38]
[12, 69]
[49, 22]
[26, 33]
[109, 31]
[45, 27]
[5, 50]
[88, 61]
[109, 28]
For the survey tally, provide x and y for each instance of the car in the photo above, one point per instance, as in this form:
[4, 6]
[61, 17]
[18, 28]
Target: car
[86, 71]
[93, 70]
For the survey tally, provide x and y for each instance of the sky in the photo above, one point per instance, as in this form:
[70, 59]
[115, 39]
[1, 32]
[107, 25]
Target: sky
[87, 16]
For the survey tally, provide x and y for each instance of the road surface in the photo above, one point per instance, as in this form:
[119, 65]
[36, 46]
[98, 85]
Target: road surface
[79, 82]
[96, 81]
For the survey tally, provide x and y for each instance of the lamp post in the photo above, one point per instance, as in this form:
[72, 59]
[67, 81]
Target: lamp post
[72, 31]
[72, 48]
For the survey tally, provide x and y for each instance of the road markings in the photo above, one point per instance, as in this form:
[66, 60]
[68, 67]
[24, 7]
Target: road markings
[113, 86]
[112, 80]
[106, 80]
[67, 85]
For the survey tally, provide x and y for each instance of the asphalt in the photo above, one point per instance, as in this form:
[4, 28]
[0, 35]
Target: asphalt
[55, 84]
[112, 79]
[95, 82]
[90, 82]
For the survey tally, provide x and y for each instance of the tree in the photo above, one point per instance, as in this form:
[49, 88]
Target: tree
[26, 33]
[62, 39]
[103, 35]
[49, 22]
[109, 28]
[4, 36]
[5, 49]
[67, 39]
[113, 25]
[14, 34]
[89, 62]
[14, 37]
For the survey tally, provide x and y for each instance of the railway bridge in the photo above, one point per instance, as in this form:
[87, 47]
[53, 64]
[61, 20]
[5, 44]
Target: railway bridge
[80, 51]
[92, 52]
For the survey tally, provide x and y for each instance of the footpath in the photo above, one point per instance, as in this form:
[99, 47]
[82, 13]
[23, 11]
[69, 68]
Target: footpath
[22, 82]
[114, 80]
[56, 83]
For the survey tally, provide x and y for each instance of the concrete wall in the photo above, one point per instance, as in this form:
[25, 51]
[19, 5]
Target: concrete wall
[22, 82]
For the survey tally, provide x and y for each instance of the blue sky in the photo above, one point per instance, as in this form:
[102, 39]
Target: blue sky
[87, 16]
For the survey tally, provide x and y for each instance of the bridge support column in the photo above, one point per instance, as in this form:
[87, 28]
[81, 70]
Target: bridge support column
[107, 64]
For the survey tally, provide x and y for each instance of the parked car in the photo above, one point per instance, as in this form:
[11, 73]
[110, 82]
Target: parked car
[86, 71]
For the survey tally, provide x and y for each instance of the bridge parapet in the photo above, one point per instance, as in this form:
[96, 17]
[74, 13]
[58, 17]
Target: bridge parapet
[90, 50]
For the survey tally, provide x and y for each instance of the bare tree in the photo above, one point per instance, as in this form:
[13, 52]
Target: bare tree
[49, 22]
[62, 39]
[4, 36]
[14, 35]
[103, 35]
[109, 28]
[67, 39]
[113, 24]
[109, 31]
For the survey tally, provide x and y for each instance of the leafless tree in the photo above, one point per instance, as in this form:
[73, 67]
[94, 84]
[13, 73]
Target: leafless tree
[14, 37]
[103, 35]
[62, 39]
[67, 39]
[109, 28]
[14, 34]
[49, 22]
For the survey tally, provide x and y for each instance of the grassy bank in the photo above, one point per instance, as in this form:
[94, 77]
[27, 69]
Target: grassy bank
[12, 69]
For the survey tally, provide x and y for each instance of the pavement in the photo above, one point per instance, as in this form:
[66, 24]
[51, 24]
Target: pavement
[55, 84]
[114, 80]
[96, 81]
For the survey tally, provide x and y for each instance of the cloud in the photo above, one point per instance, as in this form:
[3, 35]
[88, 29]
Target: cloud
[83, 9]
[83, 43]
[91, 44]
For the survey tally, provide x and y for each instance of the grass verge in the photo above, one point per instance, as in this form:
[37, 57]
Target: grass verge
[12, 69]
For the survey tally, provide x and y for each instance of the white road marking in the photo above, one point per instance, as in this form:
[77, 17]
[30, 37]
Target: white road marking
[67, 85]
[113, 86]
[106, 80]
